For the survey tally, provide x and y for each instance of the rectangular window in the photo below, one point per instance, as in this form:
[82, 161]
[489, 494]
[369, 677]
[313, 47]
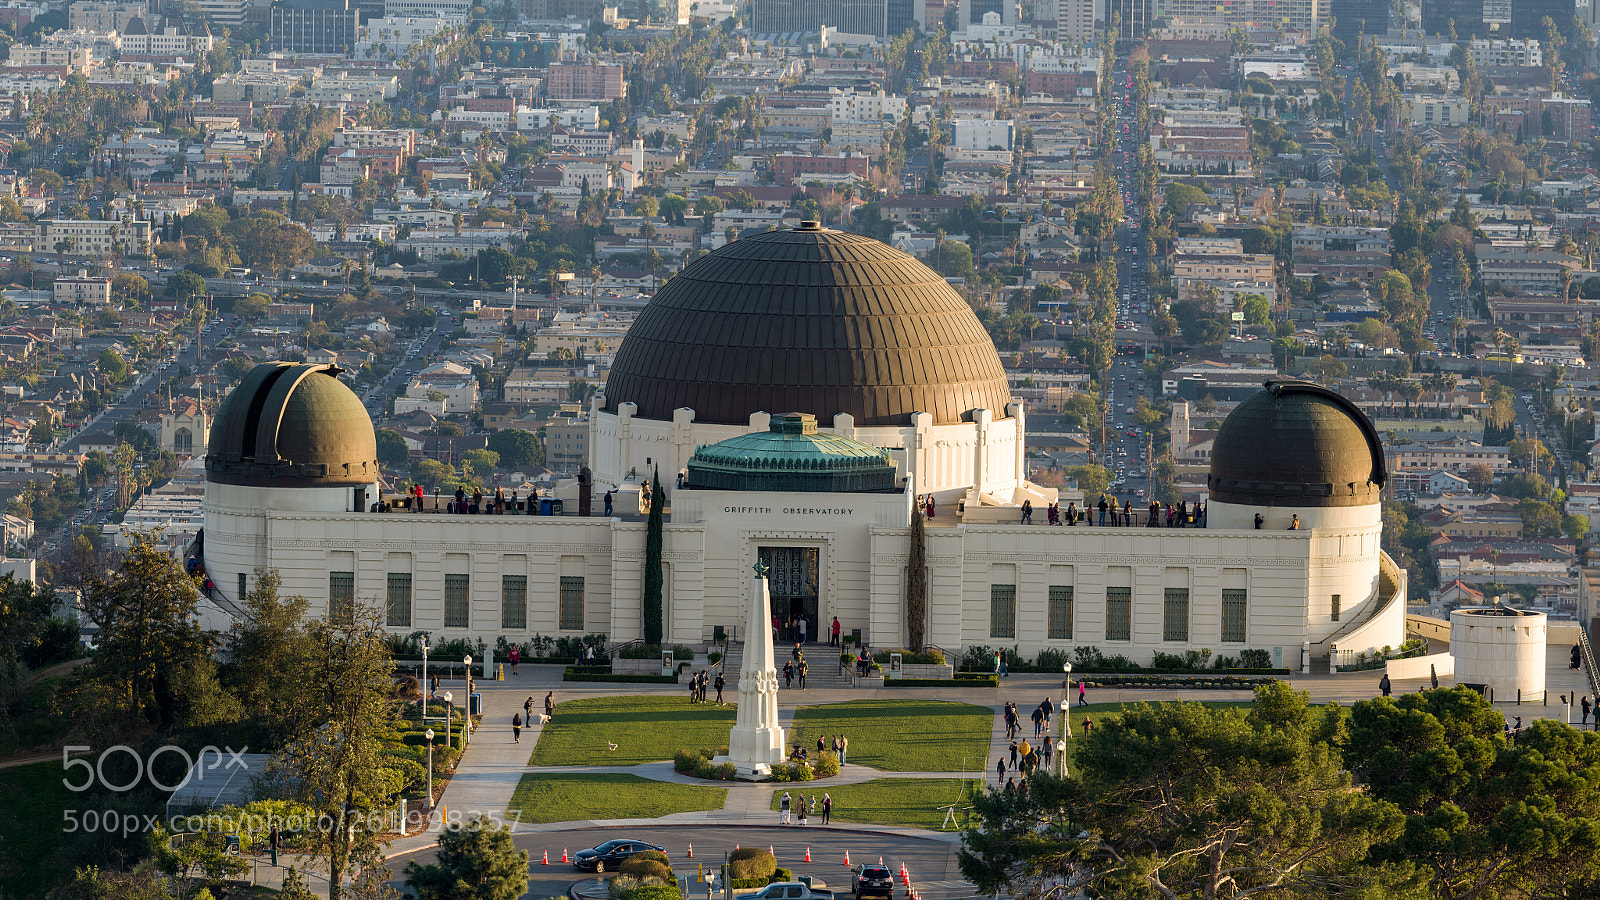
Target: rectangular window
[1060, 612]
[1175, 615]
[244, 584]
[399, 600]
[514, 601]
[1336, 609]
[1002, 610]
[1233, 615]
[341, 596]
[1119, 614]
[455, 601]
[571, 612]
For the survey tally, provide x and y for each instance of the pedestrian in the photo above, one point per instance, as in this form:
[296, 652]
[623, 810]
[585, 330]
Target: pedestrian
[1585, 707]
[788, 674]
[1383, 684]
[1027, 512]
[804, 668]
[1088, 726]
[844, 748]
[1000, 771]
[777, 626]
[1295, 524]
[803, 627]
[1011, 785]
[1083, 694]
[1048, 749]
[435, 686]
[1005, 671]
[550, 705]
[1013, 753]
[835, 641]
[802, 810]
[1102, 507]
[1049, 709]
[720, 684]
[827, 809]
[694, 688]
[516, 728]
[527, 709]
[783, 807]
[1038, 720]
[1127, 514]
[997, 663]
[516, 657]
[932, 510]
[1260, 520]
[1025, 751]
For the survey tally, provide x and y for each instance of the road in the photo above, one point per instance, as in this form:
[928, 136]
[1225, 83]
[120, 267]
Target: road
[931, 862]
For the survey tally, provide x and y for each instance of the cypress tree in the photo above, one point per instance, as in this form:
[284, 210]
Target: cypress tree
[651, 601]
[917, 583]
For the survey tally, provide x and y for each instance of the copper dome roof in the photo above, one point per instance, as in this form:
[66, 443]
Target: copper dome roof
[812, 320]
[289, 425]
[1297, 444]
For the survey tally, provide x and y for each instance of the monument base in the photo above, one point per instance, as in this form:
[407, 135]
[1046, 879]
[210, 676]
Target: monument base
[745, 770]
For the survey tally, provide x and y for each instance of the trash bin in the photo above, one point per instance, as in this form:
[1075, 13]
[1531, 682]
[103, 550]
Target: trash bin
[545, 506]
[557, 508]
[477, 703]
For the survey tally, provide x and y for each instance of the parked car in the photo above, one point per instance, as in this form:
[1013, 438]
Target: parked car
[610, 855]
[872, 881]
[790, 890]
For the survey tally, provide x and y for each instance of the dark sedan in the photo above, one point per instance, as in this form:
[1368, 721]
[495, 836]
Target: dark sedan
[610, 855]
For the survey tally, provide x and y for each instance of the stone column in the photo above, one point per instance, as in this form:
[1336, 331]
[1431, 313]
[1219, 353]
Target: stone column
[756, 742]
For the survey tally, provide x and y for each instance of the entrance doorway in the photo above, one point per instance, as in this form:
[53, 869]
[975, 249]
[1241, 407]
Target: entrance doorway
[792, 583]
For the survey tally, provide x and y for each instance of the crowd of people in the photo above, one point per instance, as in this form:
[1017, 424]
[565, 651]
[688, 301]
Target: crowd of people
[1112, 516]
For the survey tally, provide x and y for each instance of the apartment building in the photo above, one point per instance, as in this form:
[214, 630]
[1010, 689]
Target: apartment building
[587, 82]
[91, 236]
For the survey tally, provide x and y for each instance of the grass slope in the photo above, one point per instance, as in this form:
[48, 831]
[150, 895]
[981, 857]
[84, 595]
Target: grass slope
[644, 728]
[555, 797]
[911, 802]
[902, 735]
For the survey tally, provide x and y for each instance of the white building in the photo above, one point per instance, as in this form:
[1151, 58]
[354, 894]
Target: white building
[792, 321]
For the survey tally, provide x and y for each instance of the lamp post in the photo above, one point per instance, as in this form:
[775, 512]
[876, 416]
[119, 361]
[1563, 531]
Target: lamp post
[425, 692]
[449, 709]
[1066, 695]
[466, 725]
[1061, 759]
[430, 769]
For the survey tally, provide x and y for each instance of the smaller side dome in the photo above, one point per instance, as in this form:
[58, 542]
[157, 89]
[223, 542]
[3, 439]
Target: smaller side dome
[289, 425]
[1297, 444]
[791, 456]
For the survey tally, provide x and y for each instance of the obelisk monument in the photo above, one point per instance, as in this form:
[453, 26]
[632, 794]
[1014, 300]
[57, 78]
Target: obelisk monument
[756, 742]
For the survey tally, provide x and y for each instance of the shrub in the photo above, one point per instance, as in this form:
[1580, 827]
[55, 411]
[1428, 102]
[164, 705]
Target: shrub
[979, 658]
[651, 891]
[1255, 659]
[1050, 658]
[751, 862]
[679, 651]
[799, 772]
[641, 651]
[782, 874]
[646, 868]
[826, 765]
[714, 657]
[685, 760]
[727, 772]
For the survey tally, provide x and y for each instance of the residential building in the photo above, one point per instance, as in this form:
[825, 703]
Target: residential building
[91, 236]
[93, 15]
[315, 26]
[806, 16]
[586, 82]
[82, 288]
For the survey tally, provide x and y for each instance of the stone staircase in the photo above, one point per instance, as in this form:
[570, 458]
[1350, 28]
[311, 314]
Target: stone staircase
[824, 662]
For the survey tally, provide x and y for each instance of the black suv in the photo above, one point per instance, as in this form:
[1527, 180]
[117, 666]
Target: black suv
[873, 881]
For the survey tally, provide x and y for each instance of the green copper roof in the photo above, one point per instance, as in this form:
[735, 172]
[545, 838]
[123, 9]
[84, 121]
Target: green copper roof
[791, 456]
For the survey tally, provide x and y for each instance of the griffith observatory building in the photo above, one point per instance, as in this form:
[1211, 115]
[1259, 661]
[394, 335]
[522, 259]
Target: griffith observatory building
[798, 391]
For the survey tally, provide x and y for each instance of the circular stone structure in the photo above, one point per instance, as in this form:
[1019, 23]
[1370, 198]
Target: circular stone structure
[1297, 444]
[290, 425]
[813, 320]
[1500, 647]
[791, 456]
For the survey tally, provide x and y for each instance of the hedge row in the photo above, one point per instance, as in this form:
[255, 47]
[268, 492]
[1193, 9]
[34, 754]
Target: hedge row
[571, 675]
[743, 884]
[1199, 684]
[972, 680]
[1128, 670]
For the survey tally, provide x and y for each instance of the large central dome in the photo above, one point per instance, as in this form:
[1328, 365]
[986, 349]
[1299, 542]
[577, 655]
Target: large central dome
[812, 320]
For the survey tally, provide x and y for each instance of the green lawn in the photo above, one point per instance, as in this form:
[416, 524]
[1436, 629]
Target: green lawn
[35, 727]
[644, 728]
[912, 802]
[902, 735]
[556, 797]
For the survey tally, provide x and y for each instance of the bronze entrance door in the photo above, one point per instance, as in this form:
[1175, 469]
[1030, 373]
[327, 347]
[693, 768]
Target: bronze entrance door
[792, 583]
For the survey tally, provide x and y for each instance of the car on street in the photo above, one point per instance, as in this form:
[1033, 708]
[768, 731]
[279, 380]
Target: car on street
[790, 890]
[610, 855]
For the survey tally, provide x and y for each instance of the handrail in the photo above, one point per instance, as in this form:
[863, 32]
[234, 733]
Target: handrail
[1588, 662]
[618, 648]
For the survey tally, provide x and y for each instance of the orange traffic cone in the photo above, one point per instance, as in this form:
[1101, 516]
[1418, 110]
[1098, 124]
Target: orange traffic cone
[564, 857]
[546, 858]
[847, 857]
[772, 851]
[880, 860]
[691, 851]
[808, 854]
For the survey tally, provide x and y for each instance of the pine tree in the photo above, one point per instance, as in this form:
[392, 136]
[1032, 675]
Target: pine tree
[476, 862]
[917, 583]
[651, 601]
